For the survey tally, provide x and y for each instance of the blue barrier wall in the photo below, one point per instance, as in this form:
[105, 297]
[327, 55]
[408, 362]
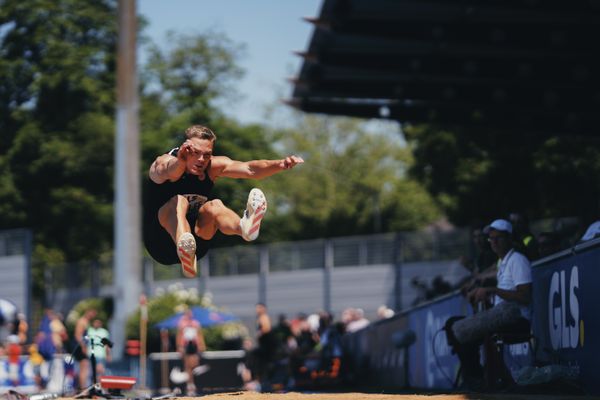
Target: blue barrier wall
[566, 320]
[372, 358]
[565, 323]
[431, 362]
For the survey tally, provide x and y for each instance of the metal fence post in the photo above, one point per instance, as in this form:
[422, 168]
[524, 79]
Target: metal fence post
[28, 251]
[397, 273]
[204, 274]
[327, 270]
[262, 274]
[148, 276]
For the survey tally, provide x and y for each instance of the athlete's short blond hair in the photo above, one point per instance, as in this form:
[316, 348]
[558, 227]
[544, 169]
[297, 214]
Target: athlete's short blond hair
[200, 132]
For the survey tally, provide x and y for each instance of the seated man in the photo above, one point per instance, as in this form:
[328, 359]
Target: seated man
[510, 312]
[483, 267]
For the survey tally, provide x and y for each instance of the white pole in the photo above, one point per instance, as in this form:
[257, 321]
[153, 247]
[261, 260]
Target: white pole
[143, 339]
[127, 263]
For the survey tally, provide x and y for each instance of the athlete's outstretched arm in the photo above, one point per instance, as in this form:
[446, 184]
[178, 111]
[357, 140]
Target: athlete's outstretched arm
[255, 169]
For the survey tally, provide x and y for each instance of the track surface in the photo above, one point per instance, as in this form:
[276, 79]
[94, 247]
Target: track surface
[369, 396]
[361, 396]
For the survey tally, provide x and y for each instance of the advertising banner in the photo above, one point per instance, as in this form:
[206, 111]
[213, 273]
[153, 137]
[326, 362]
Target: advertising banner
[431, 362]
[566, 321]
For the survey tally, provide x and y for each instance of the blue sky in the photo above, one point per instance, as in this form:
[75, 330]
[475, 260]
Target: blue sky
[270, 29]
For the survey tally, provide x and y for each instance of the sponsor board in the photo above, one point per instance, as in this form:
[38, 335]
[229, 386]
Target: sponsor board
[566, 323]
[431, 362]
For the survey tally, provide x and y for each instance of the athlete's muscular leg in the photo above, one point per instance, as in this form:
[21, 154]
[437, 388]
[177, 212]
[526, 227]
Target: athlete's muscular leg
[213, 216]
[172, 217]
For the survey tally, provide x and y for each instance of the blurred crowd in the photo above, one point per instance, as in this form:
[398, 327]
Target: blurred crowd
[51, 339]
[300, 353]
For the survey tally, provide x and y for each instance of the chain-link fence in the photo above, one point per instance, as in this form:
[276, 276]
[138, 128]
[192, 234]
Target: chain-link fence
[15, 242]
[91, 279]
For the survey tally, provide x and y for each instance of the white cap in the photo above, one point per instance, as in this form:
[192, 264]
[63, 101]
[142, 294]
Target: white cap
[500, 225]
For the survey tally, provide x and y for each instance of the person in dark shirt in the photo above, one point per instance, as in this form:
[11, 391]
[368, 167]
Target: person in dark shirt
[483, 266]
[525, 241]
[179, 219]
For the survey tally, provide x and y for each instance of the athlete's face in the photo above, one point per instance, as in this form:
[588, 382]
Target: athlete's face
[199, 156]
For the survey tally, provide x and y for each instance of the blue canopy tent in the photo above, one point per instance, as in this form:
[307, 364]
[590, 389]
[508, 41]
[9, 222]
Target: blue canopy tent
[205, 316]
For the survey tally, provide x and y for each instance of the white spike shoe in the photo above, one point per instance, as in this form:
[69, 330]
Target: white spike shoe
[253, 215]
[186, 250]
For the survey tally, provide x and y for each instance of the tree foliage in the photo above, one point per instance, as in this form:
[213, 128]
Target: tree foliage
[353, 181]
[175, 300]
[56, 100]
[481, 175]
[57, 96]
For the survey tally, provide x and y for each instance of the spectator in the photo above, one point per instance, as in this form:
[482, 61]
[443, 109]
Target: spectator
[484, 259]
[302, 360]
[357, 320]
[592, 232]
[525, 242]
[81, 350]
[36, 360]
[266, 345]
[263, 321]
[190, 341]
[314, 322]
[485, 277]
[8, 319]
[509, 314]
[330, 351]
[58, 332]
[548, 243]
[282, 330]
[439, 287]
[22, 328]
[102, 352]
[284, 337]
[421, 289]
[306, 338]
[43, 339]
[331, 340]
[384, 312]
[13, 351]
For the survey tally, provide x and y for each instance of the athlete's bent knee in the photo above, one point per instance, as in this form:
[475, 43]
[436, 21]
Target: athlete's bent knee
[212, 207]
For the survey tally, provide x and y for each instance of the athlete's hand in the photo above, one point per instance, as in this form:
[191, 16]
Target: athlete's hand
[290, 162]
[184, 150]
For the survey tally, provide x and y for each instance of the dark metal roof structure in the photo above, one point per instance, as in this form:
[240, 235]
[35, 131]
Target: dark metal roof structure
[514, 64]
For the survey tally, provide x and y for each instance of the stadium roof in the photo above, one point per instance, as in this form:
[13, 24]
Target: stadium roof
[528, 64]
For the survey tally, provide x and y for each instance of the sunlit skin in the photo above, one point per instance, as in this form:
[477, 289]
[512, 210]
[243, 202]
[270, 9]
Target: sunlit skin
[197, 154]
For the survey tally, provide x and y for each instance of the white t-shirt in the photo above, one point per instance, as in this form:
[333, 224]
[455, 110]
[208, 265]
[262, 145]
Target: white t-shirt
[513, 270]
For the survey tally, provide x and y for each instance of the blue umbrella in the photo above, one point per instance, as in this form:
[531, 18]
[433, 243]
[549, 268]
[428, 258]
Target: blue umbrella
[205, 316]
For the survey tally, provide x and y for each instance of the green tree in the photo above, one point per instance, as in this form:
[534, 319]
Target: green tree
[566, 176]
[176, 300]
[187, 84]
[479, 175]
[353, 182]
[56, 97]
[180, 86]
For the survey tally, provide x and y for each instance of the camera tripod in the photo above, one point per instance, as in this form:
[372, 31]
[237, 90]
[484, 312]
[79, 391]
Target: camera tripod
[95, 390]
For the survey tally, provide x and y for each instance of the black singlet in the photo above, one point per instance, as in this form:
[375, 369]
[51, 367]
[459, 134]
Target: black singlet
[158, 242]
